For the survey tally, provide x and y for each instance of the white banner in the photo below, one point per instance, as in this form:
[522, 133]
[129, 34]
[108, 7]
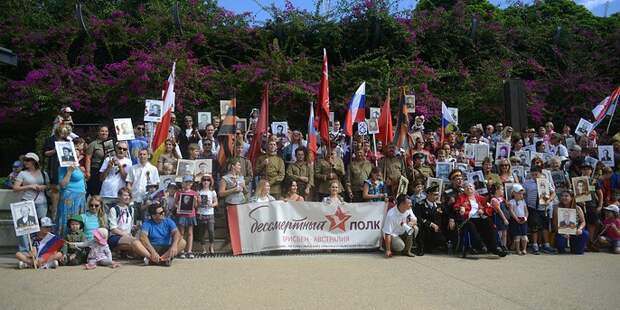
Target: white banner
[279, 225]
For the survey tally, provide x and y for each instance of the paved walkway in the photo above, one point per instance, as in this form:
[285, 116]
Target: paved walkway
[327, 281]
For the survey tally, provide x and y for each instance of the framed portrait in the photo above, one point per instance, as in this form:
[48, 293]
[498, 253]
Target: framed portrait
[403, 183]
[567, 221]
[279, 129]
[124, 129]
[224, 107]
[559, 179]
[463, 167]
[410, 102]
[242, 124]
[165, 180]
[153, 110]
[518, 172]
[435, 182]
[544, 190]
[362, 129]
[570, 142]
[591, 161]
[442, 169]
[332, 117]
[375, 113]
[108, 147]
[455, 115]
[185, 167]
[508, 190]
[373, 126]
[581, 188]
[204, 119]
[67, 156]
[524, 157]
[186, 204]
[481, 151]
[606, 155]
[477, 179]
[502, 151]
[470, 151]
[202, 167]
[583, 128]
[547, 174]
[25, 219]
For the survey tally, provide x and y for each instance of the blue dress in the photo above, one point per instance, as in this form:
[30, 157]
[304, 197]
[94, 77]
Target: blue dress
[72, 198]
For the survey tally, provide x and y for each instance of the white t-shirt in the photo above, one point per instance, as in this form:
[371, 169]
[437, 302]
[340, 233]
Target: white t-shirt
[140, 176]
[207, 199]
[122, 221]
[519, 207]
[113, 182]
[395, 221]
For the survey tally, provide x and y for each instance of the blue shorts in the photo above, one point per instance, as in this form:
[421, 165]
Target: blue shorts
[113, 241]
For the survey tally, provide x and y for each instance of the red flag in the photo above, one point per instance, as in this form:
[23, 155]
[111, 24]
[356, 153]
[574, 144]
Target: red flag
[262, 126]
[386, 132]
[322, 108]
[158, 145]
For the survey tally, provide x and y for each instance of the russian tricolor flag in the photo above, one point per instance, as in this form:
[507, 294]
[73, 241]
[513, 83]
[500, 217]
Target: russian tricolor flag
[446, 119]
[48, 246]
[357, 110]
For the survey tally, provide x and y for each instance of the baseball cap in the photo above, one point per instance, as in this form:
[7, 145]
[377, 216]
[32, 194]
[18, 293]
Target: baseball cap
[517, 188]
[32, 156]
[47, 222]
[66, 109]
[612, 208]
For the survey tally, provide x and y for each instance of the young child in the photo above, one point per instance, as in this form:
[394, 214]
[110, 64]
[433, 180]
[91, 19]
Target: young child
[45, 252]
[186, 213]
[418, 193]
[501, 214]
[100, 253]
[74, 255]
[610, 236]
[518, 221]
[206, 214]
[16, 168]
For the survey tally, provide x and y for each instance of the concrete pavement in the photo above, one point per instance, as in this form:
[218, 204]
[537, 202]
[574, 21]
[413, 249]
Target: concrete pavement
[336, 281]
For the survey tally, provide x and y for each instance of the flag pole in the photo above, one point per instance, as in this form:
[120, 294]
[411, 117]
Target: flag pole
[610, 119]
[374, 146]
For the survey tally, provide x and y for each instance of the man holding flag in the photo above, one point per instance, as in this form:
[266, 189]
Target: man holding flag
[45, 248]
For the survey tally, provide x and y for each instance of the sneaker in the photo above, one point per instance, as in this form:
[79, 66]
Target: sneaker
[22, 265]
[536, 252]
[182, 255]
[168, 263]
[189, 255]
[147, 261]
[548, 250]
[51, 265]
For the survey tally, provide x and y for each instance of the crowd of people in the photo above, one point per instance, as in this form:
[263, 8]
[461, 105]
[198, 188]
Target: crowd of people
[504, 200]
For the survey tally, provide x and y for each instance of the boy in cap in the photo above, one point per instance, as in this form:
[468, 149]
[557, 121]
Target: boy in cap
[610, 235]
[74, 255]
[45, 248]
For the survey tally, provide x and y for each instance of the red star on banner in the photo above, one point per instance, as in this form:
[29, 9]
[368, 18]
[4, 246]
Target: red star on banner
[338, 220]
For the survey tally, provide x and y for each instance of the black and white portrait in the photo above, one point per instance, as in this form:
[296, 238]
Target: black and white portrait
[477, 179]
[567, 221]
[518, 172]
[165, 180]
[410, 102]
[185, 167]
[108, 147]
[186, 204]
[502, 151]
[24, 217]
[153, 110]
[581, 188]
[204, 119]
[375, 113]
[224, 106]
[373, 126]
[279, 129]
[442, 169]
[583, 128]
[202, 167]
[524, 157]
[242, 124]
[606, 155]
[124, 129]
[435, 182]
[66, 153]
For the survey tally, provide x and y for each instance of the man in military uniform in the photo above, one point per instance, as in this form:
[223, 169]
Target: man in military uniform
[327, 170]
[419, 171]
[301, 172]
[392, 167]
[357, 172]
[271, 168]
[450, 193]
[430, 215]
[246, 165]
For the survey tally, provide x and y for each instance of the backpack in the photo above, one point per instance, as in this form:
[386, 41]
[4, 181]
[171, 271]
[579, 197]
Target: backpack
[117, 210]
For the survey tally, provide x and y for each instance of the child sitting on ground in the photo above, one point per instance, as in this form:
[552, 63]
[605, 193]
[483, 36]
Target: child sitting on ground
[610, 235]
[100, 253]
[74, 255]
[45, 248]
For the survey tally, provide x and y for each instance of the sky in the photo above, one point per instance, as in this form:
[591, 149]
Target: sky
[254, 6]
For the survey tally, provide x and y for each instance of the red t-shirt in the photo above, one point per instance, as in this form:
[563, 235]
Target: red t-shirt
[611, 233]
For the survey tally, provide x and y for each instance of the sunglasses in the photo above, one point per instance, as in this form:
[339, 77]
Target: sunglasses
[121, 149]
[95, 205]
[140, 128]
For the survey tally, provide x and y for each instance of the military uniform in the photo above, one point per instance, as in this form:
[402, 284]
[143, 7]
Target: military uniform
[359, 171]
[296, 171]
[271, 168]
[429, 213]
[448, 198]
[392, 168]
[321, 174]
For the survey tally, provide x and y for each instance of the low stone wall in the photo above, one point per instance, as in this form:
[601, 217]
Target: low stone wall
[7, 231]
